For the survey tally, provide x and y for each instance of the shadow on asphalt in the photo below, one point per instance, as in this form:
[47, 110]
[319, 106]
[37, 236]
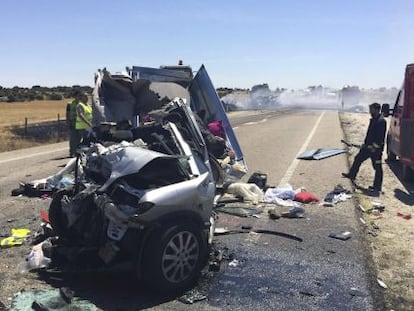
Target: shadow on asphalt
[108, 291]
[405, 195]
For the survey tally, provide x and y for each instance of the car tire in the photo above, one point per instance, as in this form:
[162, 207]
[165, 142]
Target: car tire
[173, 257]
[390, 155]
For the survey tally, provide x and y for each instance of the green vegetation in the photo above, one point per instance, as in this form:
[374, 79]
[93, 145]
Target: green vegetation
[37, 92]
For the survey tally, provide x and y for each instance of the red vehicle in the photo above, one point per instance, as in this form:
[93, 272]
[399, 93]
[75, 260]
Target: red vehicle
[400, 138]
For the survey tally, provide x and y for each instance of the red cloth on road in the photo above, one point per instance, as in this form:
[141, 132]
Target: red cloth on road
[305, 197]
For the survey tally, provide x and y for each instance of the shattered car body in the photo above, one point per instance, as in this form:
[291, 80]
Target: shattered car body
[144, 192]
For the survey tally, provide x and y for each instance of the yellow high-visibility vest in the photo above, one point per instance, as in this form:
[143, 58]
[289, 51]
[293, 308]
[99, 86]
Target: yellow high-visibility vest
[87, 112]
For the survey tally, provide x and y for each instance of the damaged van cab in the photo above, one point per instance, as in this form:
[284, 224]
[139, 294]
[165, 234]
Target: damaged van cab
[144, 190]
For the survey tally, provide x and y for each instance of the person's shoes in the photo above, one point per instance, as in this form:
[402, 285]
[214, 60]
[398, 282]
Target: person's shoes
[346, 175]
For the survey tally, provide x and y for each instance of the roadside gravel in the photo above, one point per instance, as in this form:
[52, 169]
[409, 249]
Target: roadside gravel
[391, 237]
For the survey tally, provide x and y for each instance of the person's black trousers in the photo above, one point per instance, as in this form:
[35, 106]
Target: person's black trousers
[376, 159]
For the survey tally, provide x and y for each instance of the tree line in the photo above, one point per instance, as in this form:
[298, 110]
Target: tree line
[37, 92]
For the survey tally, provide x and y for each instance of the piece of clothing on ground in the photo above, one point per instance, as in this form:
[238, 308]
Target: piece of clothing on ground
[249, 192]
[305, 197]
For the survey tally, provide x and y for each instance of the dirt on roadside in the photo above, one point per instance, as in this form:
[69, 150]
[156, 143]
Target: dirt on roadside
[391, 235]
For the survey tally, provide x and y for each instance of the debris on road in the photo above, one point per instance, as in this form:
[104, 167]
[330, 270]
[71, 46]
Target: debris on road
[234, 263]
[248, 191]
[356, 292]
[273, 214]
[54, 299]
[16, 238]
[277, 195]
[37, 258]
[258, 178]
[224, 231]
[404, 216]
[192, 296]
[237, 210]
[382, 284]
[341, 235]
[338, 194]
[296, 212]
[319, 154]
[305, 197]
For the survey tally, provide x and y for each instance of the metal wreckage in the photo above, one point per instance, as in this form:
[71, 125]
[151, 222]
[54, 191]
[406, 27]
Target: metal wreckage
[144, 192]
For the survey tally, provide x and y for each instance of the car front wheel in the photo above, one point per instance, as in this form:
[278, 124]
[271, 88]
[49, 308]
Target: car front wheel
[174, 257]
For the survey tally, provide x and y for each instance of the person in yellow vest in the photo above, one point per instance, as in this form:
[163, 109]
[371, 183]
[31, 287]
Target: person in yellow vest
[83, 123]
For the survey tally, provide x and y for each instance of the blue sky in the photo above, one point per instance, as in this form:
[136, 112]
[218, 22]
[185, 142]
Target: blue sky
[290, 43]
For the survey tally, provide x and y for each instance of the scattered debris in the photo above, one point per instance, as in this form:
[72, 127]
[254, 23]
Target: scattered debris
[339, 194]
[17, 237]
[306, 293]
[278, 195]
[273, 214]
[378, 205]
[258, 178]
[305, 197]
[36, 259]
[54, 299]
[249, 192]
[356, 292]
[234, 263]
[242, 211]
[382, 284]
[296, 212]
[362, 220]
[192, 296]
[405, 216]
[342, 235]
[319, 154]
[224, 231]
[327, 204]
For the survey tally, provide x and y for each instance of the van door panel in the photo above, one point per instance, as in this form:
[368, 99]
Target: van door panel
[204, 96]
[407, 121]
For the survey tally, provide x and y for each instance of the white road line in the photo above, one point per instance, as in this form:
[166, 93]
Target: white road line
[32, 155]
[295, 162]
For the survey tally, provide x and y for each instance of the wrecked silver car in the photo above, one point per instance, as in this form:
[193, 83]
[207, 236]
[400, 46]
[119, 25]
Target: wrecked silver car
[144, 190]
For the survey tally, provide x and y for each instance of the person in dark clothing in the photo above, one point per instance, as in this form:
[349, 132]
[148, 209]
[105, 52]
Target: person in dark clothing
[372, 148]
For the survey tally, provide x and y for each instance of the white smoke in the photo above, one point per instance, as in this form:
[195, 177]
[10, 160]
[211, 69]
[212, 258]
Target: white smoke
[321, 98]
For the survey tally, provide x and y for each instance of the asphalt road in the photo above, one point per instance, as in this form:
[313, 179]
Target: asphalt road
[271, 272]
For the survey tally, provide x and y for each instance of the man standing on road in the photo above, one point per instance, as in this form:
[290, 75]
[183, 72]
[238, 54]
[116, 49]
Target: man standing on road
[372, 148]
[83, 119]
[74, 135]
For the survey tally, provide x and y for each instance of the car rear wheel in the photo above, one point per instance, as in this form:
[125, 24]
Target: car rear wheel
[173, 257]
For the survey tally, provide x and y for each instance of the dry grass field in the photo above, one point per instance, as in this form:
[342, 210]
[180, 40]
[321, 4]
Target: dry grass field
[12, 120]
[15, 113]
